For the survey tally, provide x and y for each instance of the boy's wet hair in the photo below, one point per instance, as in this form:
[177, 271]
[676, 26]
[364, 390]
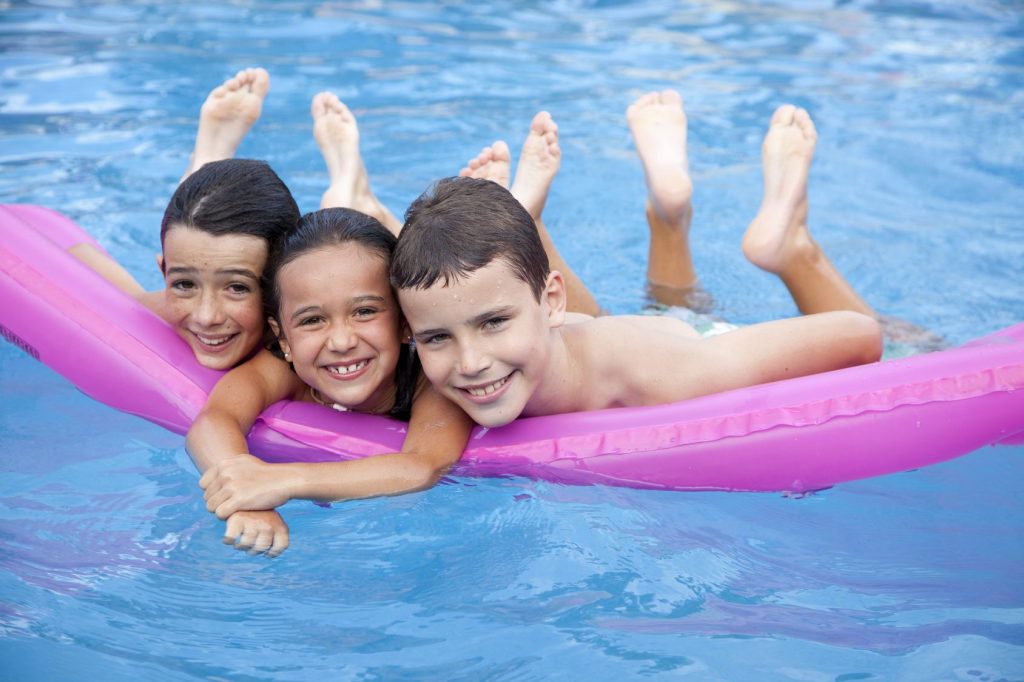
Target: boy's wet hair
[334, 227]
[233, 196]
[460, 225]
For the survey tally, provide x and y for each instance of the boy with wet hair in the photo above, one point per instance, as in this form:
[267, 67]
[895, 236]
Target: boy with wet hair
[493, 335]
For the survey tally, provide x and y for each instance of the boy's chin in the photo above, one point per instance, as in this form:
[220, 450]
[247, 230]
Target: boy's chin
[492, 419]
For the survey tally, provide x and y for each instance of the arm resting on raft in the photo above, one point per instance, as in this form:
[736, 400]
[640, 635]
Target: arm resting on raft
[437, 435]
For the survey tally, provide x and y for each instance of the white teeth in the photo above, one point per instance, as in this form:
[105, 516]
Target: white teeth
[348, 369]
[489, 389]
[213, 342]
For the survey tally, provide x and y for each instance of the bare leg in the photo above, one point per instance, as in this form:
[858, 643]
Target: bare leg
[337, 134]
[111, 270]
[227, 115]
[539, 162]
[778, 240]
[224, 119]
[538, 165]
[658, 124]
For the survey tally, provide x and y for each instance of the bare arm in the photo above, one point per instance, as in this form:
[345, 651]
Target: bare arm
[437, 435]
[218, 435]
[233, 406]
[760, 353]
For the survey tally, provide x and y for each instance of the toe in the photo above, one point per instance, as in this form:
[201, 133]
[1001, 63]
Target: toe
[784, 115]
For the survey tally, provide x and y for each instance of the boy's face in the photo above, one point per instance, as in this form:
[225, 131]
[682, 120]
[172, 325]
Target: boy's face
[484, 340]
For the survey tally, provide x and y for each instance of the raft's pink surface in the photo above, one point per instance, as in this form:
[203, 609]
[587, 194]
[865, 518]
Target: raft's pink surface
[796, 435]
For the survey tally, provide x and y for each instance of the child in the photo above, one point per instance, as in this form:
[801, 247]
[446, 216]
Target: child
[489, 317]
[215, 234]
[332, 309]
[234, 210]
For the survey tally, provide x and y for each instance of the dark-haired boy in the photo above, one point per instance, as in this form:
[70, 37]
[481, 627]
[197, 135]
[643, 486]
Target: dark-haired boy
[493, 335]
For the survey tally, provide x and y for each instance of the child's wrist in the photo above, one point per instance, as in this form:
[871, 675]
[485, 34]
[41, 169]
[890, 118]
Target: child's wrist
[294, 480]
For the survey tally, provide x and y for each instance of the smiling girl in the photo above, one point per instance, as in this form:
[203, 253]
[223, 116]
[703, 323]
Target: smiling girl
[338, 325]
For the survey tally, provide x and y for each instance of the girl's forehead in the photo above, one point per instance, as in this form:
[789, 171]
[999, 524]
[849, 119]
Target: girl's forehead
[348, 254]
[338, 270]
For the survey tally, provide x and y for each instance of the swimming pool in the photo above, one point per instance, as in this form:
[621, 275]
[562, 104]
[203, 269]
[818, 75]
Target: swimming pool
[112, 570]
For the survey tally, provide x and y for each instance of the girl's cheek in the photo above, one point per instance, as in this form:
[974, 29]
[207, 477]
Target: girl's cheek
[251, 315]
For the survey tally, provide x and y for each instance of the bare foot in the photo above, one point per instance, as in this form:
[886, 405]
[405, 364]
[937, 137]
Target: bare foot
[538, 163]
[227, 115]
[337, 135]
[492, 163]
[658, 124]
[779, 233]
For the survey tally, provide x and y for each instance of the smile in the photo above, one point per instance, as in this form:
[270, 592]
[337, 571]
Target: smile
[213, 342]
[487, 392]
[347, 370]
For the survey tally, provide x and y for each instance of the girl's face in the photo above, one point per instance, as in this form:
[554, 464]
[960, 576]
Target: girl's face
[212, 293]
[340, 326]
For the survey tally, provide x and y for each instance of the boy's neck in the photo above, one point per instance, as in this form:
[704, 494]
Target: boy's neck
[560, 389]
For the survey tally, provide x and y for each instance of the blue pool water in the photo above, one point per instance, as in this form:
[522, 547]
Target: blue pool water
[110, 568]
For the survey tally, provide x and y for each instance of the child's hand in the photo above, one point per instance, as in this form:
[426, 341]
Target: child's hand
[244, 482]
[257, 532]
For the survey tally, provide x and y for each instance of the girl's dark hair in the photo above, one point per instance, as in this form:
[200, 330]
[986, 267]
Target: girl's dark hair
[332, 227]
[233, 196]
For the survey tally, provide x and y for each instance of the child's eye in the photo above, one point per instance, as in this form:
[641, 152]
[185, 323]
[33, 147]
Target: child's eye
[239, 289]
[434, 339]
[311, 320]
[495, 322]
[183, 285]
[365, 312]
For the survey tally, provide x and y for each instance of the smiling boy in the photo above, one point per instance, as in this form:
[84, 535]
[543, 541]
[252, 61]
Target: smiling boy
[493, 334]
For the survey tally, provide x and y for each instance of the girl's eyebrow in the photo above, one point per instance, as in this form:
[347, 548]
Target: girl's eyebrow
[354, 301]
[303, 310]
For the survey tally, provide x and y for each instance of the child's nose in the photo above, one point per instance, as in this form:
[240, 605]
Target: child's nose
[473, 359]
[208, 311]
[342, 338]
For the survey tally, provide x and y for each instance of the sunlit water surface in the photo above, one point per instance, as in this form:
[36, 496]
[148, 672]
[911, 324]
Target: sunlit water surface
[111, 569]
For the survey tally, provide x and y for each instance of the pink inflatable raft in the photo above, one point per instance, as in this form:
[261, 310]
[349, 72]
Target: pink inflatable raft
[797, 435]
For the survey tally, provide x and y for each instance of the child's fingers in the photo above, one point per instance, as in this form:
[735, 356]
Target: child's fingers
[247, 539]
[263, 541]
[214, 500]
[232, 530]
[280, 543]
[226, 509]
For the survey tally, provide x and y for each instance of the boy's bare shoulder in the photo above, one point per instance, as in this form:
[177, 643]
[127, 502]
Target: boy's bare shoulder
[628, 355]
[630, 328]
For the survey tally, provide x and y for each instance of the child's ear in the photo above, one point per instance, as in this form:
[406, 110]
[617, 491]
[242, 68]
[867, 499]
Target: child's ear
[275, 328]
[554, 297]
[160, 262]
